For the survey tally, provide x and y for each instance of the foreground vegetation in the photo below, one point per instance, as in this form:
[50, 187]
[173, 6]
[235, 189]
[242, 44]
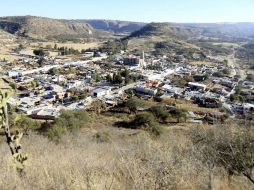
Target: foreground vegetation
[105, 157]
[146, 146]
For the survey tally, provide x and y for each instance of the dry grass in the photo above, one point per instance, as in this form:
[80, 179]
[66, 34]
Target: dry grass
[188, 106]
[130, 160]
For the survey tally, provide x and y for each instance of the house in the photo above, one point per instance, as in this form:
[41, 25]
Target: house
[29, 101]
[49, 113]
[146, 91]
[14, 73]
[196, 86]
[248, 108]
[208, 102]
[100, 92]
[73, 84]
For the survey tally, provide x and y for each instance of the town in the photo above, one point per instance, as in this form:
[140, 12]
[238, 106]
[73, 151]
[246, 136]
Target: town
[100, 76]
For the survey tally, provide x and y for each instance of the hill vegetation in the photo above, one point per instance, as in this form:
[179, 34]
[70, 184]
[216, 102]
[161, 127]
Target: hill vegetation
[39, 27]
[115, 26]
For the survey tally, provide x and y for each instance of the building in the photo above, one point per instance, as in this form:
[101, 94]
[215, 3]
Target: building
[138, 61]
[196, 86]
[14, 73]
[100, 92]
[131, 61]
[146, 91]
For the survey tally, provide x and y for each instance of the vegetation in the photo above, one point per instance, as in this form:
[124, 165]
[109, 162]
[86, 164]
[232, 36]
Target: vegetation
[230, 148]
[216, 49]
[54, 71]
[134, 104]
[13, 140]
[147, 122]
[68, 121]
[96, 77]
[25, 123]
[68, 51]
[40, 52]
[223, 73]
[160, 112]
[114, 46]
[179, 114]
[237, 97]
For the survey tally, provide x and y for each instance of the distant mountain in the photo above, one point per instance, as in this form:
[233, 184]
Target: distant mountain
[162, 38]
[223, 29]
[115, 26]
[40, 27]
[168, 36]
[165, 30]
[216, 30]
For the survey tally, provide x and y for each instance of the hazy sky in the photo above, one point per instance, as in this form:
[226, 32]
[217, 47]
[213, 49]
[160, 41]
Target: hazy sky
[135, 10]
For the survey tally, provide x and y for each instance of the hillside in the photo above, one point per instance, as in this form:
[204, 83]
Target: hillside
[233, 30]
[102, 156]
[6, 38]
[162, 38]
[39, 27]
[165, 30]
[115, 26]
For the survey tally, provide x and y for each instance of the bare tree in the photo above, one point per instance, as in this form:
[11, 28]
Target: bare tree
[229, 147]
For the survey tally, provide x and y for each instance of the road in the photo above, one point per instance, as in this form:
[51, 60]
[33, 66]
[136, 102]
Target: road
[48, 67]
[235, 67]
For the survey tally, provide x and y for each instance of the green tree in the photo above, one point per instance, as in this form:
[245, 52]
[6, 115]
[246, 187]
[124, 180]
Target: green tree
[96, 77]
[125, 73]
[40, 52]
[68, 121]
[179, 114]
[54, 71]
[160, 112]
[25, 123]
[117, 79]
[34, 84]
[147, 122]
[109, 78]
[133, 104]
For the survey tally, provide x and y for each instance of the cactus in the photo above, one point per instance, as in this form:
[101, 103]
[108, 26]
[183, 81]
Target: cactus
[13, 140]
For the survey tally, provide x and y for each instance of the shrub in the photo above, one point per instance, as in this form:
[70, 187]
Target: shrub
[134, 103]
[143, 119]
[71, 120]
[179, 114]
[54, 71]
[160, 112]
[25, 123]
[147, 122]
[56, 132]
[40, 52]
[101, 137]
[68, 121]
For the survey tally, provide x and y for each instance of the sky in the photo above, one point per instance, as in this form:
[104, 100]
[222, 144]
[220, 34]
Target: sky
[193, 11]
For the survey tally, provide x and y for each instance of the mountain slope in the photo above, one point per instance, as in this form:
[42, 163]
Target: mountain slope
[115, 26]
[162, 38]
[239, 30]
[6, 38]
[39, 27]
[165, 30]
